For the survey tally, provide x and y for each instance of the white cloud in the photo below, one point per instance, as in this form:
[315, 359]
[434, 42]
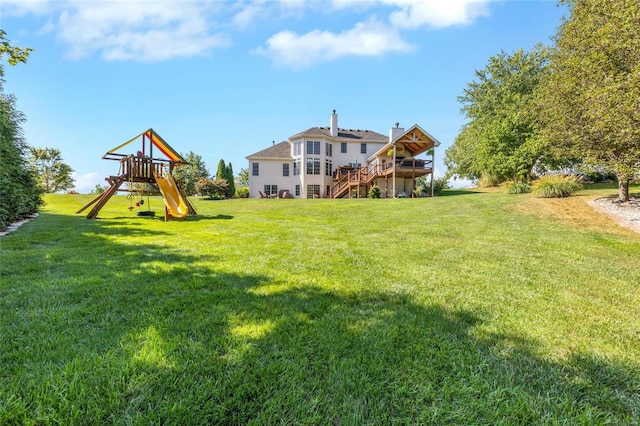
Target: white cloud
[435, 13]
[255, 12]
[369, 38]
[87, 182]
[24, 7]
[142, 30]
[249, 13]
[147, 31]
[157, 30]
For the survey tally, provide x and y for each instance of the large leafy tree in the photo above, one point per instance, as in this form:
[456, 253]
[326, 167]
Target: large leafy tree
[501, 138]
[52, 174]
[19, 193]
[191, 173]
[590, 102]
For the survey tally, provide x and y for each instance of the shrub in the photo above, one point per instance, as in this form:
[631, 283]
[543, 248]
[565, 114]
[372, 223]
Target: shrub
[556, 186]
[516, 188]
[423, 187]
[243, 192]
[375, 192]
[439, 184]
[488, 180]
[214, 189]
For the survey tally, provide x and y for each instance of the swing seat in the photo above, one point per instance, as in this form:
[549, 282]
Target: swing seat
[130, 207]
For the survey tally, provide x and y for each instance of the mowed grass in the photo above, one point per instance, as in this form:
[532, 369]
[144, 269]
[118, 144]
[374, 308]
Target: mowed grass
[470, 308]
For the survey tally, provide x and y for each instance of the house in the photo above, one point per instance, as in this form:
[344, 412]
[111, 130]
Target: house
[336, 163]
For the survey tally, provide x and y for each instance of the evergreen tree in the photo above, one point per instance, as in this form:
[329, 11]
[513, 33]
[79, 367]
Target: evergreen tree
[231, 189]
[221, 173]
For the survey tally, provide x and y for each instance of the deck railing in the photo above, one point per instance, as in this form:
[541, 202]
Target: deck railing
[346, 177]
[140, 167]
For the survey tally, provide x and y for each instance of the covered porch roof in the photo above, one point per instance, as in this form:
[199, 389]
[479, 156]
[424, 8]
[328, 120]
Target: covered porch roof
[415, 141]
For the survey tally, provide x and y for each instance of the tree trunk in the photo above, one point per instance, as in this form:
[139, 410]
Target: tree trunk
[623, 189]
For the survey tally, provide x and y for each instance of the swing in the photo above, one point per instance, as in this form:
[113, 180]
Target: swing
[130, 195]
[148, 212]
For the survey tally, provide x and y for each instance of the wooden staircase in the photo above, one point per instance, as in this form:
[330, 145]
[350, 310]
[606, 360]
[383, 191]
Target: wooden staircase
[114, 184]
[362, 176]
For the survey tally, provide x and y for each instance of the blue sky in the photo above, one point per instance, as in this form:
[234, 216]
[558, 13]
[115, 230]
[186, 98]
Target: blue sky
[224, 79]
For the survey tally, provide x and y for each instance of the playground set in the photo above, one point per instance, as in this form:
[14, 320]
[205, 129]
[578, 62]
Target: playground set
[146, 175]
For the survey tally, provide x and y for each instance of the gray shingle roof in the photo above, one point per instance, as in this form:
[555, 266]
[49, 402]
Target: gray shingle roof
[346, 134]
[280, 150]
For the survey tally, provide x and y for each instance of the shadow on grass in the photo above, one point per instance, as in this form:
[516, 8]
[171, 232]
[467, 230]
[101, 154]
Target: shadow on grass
[452, 192]
[209, 217]
[137, 334]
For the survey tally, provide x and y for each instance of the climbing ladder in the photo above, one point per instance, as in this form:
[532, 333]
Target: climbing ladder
[114, 184]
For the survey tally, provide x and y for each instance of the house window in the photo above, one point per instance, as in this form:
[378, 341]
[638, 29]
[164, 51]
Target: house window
[297, 190]
[296, 167]
[313, 191]
[297, 148]
[255, 169]
[270, 190]
[343, 147]
[363, 148]
[313, 147]
[328, 190]
[328, 167]
[285, 169]
[313, 166]
[329, 149]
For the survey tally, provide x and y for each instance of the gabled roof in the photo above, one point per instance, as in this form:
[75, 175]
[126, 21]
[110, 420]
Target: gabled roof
[415, 140]
[280, 150]
[152, 138]
[344, 135]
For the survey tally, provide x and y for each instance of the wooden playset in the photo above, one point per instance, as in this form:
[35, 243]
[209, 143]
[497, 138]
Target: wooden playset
[146, 173]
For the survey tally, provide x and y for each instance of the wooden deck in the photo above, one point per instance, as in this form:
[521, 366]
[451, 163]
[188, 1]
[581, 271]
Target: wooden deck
[348, 178]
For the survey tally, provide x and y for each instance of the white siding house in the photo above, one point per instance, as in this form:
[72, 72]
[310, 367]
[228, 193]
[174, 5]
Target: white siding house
[336, 162]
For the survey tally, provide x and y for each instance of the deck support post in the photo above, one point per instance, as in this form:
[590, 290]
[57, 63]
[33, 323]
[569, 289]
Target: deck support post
[394, 172]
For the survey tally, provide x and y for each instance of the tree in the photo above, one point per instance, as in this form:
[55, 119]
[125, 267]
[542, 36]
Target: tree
[190, 173]
[16, 54]
[589, 101]
[501, 138]
[52, 174]
[231, 190]
[243, 178]
[212, 188]
[19, 193]
[221, 173]
[99, 189]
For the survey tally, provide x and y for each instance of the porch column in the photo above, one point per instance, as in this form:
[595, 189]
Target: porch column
[413, 178]
[394, 172]
[433, 166]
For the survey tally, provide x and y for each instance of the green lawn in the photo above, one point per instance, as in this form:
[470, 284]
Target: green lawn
[472, 308]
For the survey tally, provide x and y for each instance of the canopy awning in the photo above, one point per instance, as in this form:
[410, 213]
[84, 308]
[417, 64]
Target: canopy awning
[150, 139]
